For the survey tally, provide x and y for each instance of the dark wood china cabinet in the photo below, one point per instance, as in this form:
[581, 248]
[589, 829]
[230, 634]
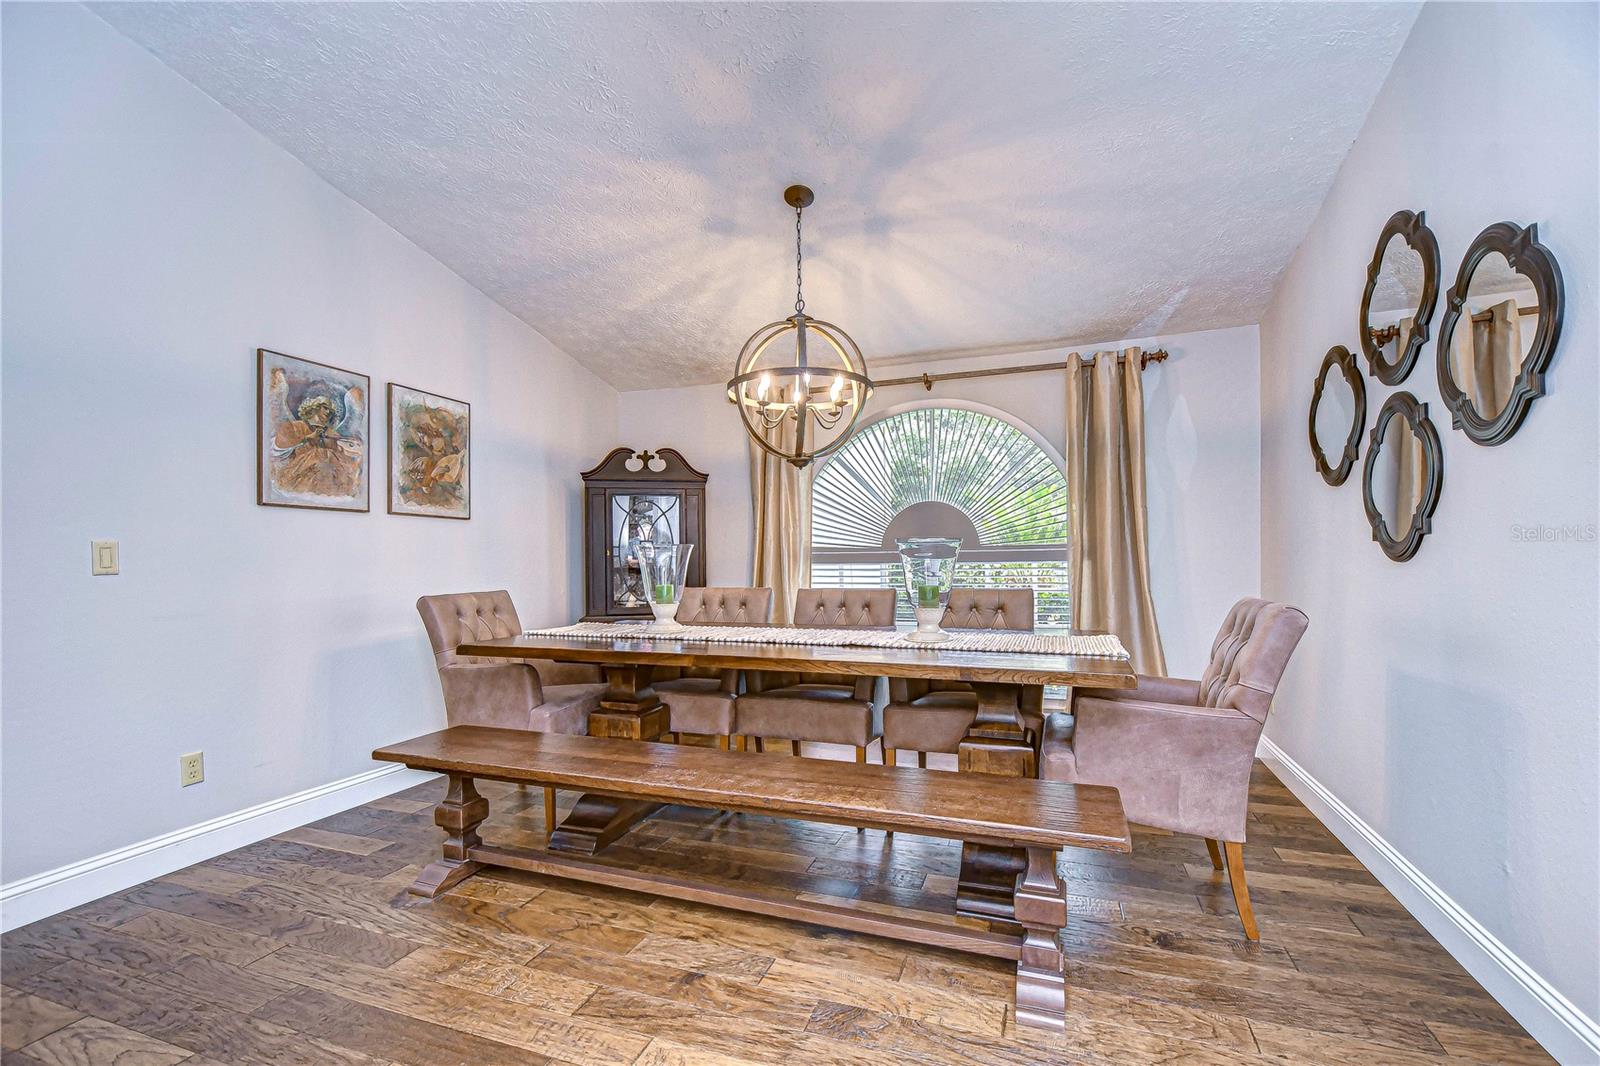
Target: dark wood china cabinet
[633, 502]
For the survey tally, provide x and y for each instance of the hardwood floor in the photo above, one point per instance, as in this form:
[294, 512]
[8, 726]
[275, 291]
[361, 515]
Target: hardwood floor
[307, 949]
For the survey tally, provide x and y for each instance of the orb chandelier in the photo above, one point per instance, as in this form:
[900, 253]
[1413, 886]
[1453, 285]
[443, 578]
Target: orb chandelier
[800, 383]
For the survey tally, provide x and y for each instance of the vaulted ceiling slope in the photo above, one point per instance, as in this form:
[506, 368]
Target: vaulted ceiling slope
[988, 177]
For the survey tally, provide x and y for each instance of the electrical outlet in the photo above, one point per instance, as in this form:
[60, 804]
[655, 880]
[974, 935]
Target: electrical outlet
[191, 768]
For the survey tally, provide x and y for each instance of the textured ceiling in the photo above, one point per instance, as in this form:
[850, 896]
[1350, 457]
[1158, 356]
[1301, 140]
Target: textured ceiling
[988, 177]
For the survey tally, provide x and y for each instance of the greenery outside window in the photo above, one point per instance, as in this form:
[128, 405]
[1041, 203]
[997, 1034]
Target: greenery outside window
[945, 471]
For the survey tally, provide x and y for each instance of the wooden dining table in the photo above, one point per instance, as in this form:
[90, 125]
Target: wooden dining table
[997, 742]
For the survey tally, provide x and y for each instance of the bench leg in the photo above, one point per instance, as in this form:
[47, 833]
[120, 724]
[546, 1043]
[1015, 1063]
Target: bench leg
[459, 814]
[1041, 909]
[549, 812]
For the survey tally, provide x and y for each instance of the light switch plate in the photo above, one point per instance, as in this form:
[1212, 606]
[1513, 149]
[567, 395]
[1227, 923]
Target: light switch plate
[191, 768]
[103, 557]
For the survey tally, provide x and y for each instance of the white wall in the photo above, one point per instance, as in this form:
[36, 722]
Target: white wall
[1201, 428]
[1451, 701]
[151, 242]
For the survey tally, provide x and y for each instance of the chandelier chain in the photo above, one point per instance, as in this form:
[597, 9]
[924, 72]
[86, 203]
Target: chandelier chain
[799, 300]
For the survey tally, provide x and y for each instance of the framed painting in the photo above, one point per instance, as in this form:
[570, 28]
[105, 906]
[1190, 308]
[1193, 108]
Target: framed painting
[430, 454]
[312, 429]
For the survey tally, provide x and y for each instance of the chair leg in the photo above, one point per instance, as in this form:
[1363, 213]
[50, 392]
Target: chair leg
[922, 760]
[742, 742]
[1241, 892]
[761, 747]
[1216, 854]
[794, 748]
[888, 760]
[549, 812]
[861, 756]
[722, 742]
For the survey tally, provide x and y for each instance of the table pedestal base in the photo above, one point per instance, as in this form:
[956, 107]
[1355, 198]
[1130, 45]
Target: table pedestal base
[630, 710]
[597, 821]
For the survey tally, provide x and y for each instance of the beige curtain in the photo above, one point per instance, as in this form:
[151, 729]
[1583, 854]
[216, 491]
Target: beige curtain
[780, 503]
[1410, 471]
[1105, 481]
[1487, 356]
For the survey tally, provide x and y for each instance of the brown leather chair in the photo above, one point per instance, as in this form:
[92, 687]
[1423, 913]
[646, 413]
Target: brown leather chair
[533, 694]
[1180, 752]
[700, 701]
[824, 708]
[924, 716]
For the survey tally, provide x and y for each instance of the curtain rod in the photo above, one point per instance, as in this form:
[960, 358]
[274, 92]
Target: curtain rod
[1158, 355]
[1488, 316]
[1382, 335]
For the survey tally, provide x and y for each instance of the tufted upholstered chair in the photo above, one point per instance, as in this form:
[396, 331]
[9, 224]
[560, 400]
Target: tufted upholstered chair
[844, 607]
[924, 716]
[533, 694]
[825, 708]
[700, 702]
[1180, 752]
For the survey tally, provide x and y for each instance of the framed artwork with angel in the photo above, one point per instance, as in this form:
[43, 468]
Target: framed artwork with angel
[312, 428]
[430, 454]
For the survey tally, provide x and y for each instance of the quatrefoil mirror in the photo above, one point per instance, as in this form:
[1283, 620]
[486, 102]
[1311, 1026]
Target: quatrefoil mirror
[1403, 476]
[1402, 288]
[1501, 323]
[1338, 415]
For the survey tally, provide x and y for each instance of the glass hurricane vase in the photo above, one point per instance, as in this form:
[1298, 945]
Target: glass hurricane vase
[663, 572]
[929, 565]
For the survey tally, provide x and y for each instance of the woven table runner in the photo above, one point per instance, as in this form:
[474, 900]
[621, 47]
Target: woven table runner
[1090, 645]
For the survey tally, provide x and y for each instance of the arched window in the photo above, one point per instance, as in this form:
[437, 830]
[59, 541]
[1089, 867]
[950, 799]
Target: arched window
[944, 471]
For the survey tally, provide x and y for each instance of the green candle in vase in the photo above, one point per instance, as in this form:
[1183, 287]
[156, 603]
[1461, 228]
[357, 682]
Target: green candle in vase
[928, 564]
[665, 593]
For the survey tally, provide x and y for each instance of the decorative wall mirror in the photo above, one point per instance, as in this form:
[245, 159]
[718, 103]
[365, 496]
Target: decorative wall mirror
[1403, 476]
[1338, 415]
[1501, 323]
[1402, 288]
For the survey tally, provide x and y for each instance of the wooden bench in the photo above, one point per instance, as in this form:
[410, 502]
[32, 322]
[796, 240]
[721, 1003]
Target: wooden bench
[1036, 817]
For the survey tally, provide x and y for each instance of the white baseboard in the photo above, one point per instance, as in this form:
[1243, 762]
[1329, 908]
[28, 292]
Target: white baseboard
[1568, 1034]
[31, 898]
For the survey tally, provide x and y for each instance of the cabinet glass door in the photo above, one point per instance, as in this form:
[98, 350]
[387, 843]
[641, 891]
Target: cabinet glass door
[640, 523]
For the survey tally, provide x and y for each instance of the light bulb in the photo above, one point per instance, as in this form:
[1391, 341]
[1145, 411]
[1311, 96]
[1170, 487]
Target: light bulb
[797, 392]
[838, 388]
[762, 386]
